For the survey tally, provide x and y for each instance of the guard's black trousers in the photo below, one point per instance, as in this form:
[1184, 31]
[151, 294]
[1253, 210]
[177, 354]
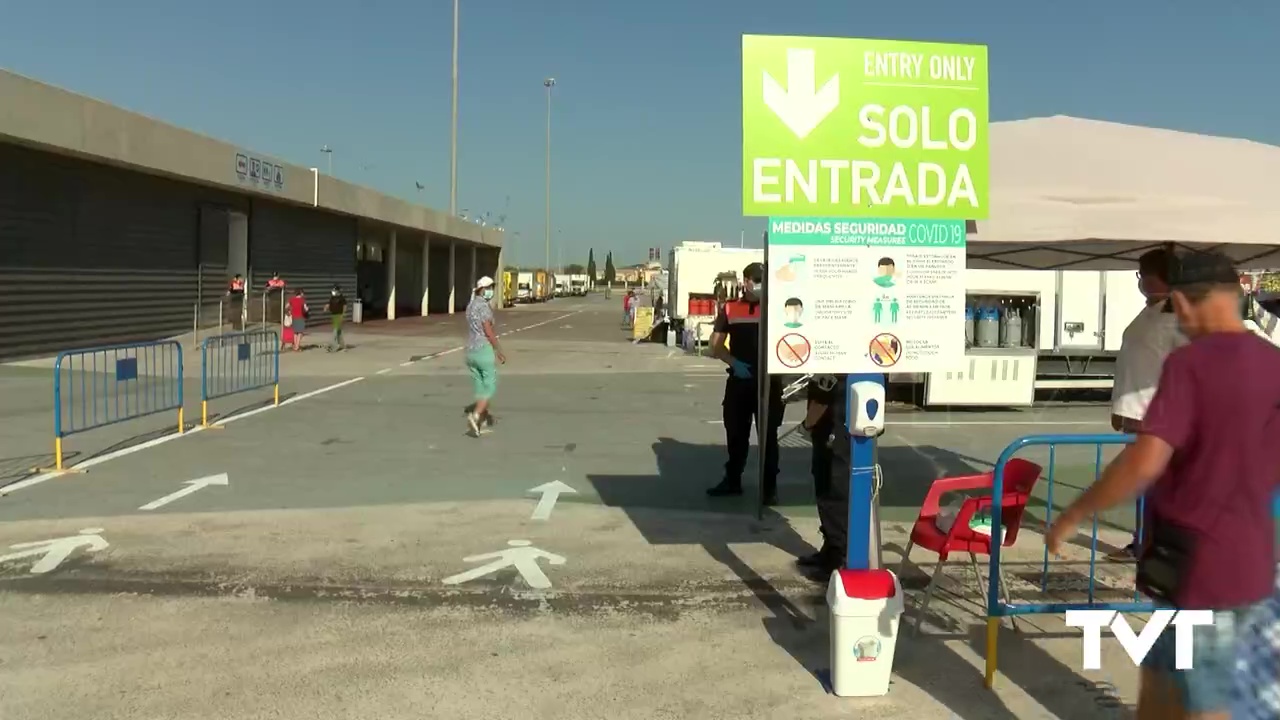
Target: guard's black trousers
[820, 464]
[833, 514]
[833, 505]
[741, 406]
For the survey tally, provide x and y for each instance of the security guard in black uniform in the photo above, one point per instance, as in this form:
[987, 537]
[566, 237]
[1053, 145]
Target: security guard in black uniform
[825, 423]
[739, 322]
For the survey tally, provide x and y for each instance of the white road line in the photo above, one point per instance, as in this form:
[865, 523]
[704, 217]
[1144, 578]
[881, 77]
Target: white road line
[94, 461]
[1034, 423]
[290, 401]
[943, 423]
[459, 348]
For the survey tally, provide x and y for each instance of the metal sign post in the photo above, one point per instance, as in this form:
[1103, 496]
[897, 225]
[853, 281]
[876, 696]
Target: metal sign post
[863, 546]
[762, 384]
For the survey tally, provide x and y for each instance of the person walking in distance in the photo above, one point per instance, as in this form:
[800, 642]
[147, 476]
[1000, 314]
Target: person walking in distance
[739, 323]
[1148, 339]
[1204, 457]
[483, 355]
[299, 311]
[628, 301]
[337, 307]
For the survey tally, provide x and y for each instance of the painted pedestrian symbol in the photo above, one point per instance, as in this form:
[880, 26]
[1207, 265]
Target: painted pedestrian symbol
[521, 555]
[56, 550]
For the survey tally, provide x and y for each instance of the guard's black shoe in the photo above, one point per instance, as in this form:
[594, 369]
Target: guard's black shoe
[725, 489]
[770, 500]
[830, 561]
[813, 560]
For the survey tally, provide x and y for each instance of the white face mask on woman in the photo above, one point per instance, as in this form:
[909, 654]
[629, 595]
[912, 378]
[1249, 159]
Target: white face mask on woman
[487, 293]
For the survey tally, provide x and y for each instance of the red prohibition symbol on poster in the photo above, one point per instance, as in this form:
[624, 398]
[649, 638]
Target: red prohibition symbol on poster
[793, 350]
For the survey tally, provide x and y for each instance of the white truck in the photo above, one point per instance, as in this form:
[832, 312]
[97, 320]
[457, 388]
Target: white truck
[696, 273]
[524, 287]
[562, 285]
[578, 284]
[1029, 330]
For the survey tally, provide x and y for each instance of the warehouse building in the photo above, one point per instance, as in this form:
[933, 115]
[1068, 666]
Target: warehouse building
[115, 227]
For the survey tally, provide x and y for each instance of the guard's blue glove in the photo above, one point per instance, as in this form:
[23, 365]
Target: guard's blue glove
[740, 369]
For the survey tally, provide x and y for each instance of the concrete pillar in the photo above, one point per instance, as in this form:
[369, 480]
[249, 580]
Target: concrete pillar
[472, 282]
[426, 273]
[453, 279]
[498, 283]
[389, 261]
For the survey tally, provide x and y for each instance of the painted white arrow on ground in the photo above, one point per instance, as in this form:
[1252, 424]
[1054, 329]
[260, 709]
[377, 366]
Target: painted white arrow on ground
[191, 487]
[551, 492]
[801, 106]
[54, 551]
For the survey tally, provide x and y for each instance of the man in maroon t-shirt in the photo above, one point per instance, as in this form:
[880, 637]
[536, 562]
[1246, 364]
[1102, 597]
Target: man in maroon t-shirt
[1205, 457]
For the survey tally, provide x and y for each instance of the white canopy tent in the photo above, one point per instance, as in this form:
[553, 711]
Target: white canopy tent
[1076, 194]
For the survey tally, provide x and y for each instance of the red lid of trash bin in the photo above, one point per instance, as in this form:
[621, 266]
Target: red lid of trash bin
[868, 584]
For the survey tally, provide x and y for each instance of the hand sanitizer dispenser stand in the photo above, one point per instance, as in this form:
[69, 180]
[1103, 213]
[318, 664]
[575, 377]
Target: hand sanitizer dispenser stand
[864, 599]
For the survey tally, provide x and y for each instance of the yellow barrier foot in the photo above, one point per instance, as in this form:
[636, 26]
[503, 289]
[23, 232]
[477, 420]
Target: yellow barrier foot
[56, 471]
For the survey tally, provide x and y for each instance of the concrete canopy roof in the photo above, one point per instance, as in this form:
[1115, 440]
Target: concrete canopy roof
[1090, 195]
[44, 117]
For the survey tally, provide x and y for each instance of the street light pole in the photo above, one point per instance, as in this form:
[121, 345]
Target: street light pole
[453, 134]
[548, 84]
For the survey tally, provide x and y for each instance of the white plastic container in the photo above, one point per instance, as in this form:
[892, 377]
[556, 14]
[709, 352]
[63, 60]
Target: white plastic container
[865, 607]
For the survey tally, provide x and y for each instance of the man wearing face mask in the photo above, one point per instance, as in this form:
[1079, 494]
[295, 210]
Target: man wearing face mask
[337, 307]
[739, 323]
[1148, 339]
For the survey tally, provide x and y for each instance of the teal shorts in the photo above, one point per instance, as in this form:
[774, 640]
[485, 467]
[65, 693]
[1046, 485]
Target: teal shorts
[483, 365]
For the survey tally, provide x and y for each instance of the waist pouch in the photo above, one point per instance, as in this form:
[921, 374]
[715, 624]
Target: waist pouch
[1163, 565]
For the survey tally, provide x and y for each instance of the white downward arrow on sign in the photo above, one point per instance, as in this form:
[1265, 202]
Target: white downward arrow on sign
[801, 107]
[191, 486]
[550, 493]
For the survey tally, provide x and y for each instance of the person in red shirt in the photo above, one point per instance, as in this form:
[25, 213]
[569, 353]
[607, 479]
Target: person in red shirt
[1204, 457]
[299, 312]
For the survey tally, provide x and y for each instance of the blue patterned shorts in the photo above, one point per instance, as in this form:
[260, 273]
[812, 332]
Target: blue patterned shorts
[1257, 666]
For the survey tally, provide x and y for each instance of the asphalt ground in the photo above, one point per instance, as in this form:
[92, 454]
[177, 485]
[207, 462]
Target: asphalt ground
[348, 506]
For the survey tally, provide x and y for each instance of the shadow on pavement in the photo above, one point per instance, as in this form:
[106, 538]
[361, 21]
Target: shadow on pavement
[797, 621]
[21, 467]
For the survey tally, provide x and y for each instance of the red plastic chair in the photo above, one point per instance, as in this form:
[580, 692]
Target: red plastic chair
[1020, 477]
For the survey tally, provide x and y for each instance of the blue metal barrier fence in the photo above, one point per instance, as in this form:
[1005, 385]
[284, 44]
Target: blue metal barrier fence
[238, 362]
[996, 610]
[99, 386]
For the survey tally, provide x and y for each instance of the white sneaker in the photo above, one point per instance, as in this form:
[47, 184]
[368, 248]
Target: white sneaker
[474, 423]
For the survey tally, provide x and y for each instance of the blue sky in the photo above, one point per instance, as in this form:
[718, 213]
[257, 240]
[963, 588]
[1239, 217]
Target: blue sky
[646, 128]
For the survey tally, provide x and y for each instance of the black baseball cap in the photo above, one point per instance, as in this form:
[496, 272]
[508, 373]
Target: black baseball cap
[1203, 268]
[754, 272]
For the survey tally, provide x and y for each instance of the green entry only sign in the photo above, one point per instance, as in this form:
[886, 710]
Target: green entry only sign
[843, 127]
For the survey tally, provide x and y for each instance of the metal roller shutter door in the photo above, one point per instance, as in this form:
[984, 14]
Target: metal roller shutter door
[92, 255]
[310, 249]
